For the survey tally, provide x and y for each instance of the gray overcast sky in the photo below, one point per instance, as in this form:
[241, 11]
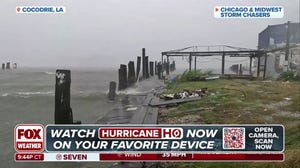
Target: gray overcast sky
[105, 33]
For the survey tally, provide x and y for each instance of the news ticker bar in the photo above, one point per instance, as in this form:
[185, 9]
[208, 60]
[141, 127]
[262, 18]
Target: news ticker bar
[260, 138]
[115, 157]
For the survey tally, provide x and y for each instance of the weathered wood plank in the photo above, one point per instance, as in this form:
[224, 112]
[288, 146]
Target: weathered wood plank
[175, 101]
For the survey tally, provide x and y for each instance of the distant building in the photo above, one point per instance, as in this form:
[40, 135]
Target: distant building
[276, 37]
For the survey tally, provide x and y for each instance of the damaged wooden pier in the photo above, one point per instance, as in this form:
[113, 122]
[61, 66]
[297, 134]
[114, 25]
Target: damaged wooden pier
[136, 108]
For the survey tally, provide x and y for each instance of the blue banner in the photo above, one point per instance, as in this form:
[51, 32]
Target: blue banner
[162, 138]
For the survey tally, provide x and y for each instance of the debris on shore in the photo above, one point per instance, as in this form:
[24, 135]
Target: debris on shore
[186, 93]
[173, 99]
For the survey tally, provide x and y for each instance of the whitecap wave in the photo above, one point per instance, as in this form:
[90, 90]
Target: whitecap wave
[132, 109]
[5, 94]
[35, 93]
[49, 73]
[132, 91]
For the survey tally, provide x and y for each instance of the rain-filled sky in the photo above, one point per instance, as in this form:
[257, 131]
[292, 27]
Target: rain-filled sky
[105, 33]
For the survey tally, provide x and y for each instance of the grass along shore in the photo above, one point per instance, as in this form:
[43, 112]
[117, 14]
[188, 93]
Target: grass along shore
[241, 102]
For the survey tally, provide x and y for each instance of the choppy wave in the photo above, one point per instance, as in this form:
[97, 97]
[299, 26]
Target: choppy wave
[35, 93]
[51, 93]
[85, 94]
[49, 73]
[5, 94]
[132, 109]
[132, 91]
[28, 94]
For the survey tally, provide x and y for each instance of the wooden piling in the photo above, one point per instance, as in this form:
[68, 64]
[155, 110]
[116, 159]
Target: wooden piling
[195, 66]
[265, 66]
[250, 66]
[240, 70]
[287, 46]
[159, 70]
[223, 64]
[164, 65]
[162, 59]
[155, 68]
[15, 66]
[174, 66]
[3, 66]
[144, 62]
[112, 90]
[171, 67]
[168, 66]
[235, 68]
[63, 111]
[190, 62]
[122, 77]
[258, 65]
[147, 66]
[8, 65]
[151, 68]
[138, 67]
[167, 69]
[131, 73]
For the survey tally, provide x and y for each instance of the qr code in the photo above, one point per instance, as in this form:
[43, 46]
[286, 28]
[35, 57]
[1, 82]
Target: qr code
[234, 138]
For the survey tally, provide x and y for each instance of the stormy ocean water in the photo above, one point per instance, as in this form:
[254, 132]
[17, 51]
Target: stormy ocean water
[27, 96]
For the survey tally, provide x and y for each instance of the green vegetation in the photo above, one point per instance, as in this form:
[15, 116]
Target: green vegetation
[289, 76]
[242, 102]
[194, 75]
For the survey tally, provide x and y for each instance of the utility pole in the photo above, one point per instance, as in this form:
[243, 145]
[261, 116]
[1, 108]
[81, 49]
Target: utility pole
[287, 49]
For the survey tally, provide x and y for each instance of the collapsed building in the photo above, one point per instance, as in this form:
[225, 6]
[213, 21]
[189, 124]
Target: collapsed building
[283, 43]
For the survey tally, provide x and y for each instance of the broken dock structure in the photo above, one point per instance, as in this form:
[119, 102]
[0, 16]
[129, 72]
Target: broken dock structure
[222, 51]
